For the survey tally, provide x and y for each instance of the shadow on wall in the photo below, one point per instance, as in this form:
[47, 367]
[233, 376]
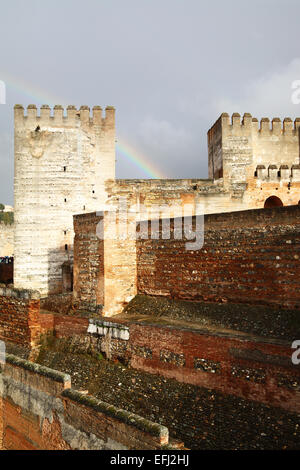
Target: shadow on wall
[60, 270]
[6, 270]
[273, 201]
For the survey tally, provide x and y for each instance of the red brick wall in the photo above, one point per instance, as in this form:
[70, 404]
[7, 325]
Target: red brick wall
[234, 363]
[22, 430]
[88, 262]
[249, 256]
[63, 325]
[59, 303]
[237, 365]
[19, 317]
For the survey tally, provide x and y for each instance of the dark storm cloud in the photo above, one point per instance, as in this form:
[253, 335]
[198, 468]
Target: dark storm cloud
[168, 66]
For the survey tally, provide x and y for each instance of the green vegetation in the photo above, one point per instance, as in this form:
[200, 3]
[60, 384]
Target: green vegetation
[100, 357]
[6, 217]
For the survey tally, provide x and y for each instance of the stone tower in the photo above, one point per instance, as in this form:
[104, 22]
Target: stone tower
[238, 148]
[61, 165]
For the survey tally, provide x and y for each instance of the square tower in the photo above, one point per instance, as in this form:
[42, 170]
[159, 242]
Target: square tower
[61, 165]
[240, 150]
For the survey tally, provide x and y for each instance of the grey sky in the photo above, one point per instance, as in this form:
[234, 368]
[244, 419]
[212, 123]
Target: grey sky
[170, 67]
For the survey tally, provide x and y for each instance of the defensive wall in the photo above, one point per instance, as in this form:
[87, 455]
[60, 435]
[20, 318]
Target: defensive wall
[65, 165]
[40, 411]
[248, 256]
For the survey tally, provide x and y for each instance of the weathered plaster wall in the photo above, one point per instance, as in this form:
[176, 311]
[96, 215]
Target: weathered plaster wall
[61, 164]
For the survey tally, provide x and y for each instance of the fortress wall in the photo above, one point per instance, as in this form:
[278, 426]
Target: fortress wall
[163, 198]
[6, 239]
[247, 257]
[19, 316]
[235, 363]
[61, 164]
[260, 189]
[40, 411]
[251, 251]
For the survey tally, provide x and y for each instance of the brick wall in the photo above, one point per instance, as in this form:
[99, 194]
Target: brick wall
[19, 316]
[249, 256]
[246, 367]
[63, 325]
[60, 303]
[40, 411]
[235, 363]
[88, 262]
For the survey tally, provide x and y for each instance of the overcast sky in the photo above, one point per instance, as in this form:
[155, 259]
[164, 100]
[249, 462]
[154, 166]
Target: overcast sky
[170, 67]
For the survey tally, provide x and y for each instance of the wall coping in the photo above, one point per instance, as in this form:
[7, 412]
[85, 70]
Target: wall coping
[38, 369]
[143, 424]
[22, 294]
[266, 216]
[89, 215]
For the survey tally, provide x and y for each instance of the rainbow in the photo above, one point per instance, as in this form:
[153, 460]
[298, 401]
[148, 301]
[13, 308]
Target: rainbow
[33, 93]
[139, 160]
[39, 96]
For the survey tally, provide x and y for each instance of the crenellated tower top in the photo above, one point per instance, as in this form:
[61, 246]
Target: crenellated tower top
[238, 146]
[264, 126]
[60, 117]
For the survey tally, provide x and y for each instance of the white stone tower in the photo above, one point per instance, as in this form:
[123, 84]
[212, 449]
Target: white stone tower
[61, 165]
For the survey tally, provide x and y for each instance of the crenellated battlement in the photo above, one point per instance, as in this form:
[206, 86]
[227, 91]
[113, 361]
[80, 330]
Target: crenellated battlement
[264, 126]
[59, 116]
[278, 173]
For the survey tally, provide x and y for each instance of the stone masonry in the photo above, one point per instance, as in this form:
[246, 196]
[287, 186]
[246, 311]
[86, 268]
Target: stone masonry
[61, 164]
[65, 165]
